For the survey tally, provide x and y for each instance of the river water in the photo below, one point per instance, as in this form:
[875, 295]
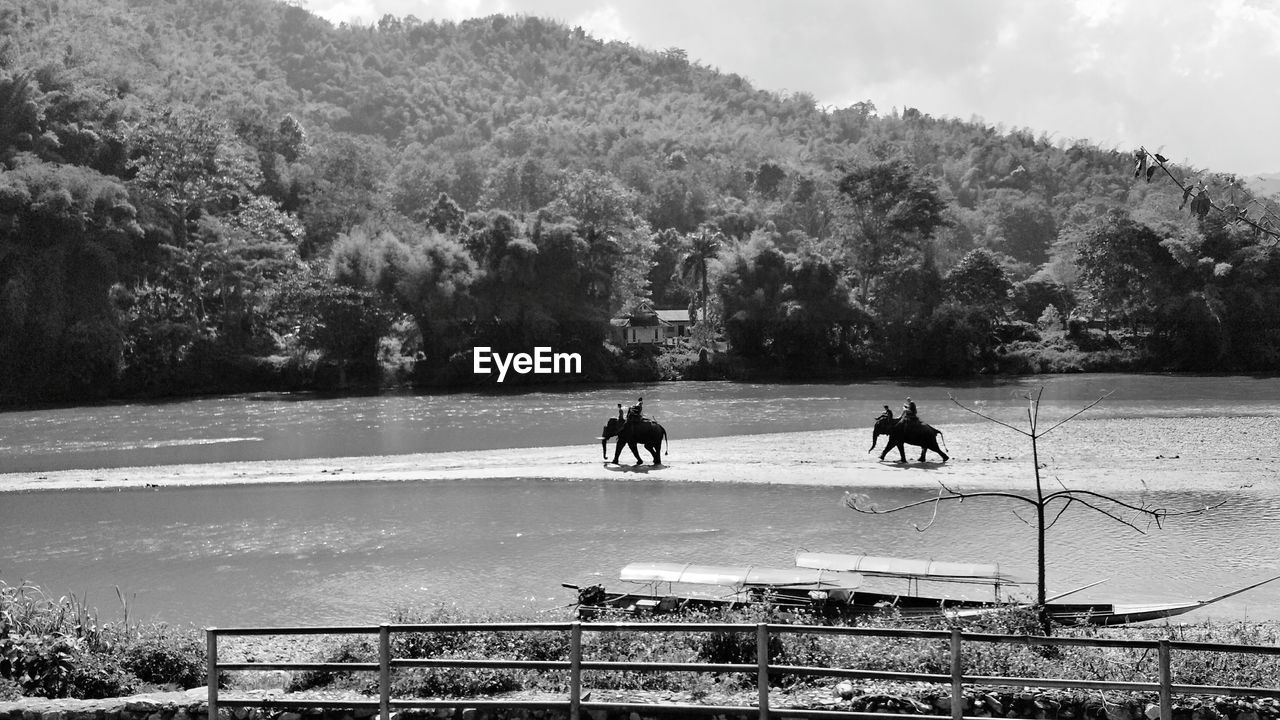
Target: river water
[356, 552]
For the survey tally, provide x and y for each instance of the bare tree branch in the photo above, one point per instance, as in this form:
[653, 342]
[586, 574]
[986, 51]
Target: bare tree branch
[962, 406]
[1077, 413]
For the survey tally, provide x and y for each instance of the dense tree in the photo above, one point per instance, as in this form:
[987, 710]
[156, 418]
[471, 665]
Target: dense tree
[979, 281]
[512, 181]
[1124, 268]
[886, 209]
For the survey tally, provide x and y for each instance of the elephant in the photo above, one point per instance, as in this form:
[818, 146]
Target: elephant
[901, 432]
[629, 432]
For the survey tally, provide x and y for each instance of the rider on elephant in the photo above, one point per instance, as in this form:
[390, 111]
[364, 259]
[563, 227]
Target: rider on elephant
[636, 412]
[909, 414]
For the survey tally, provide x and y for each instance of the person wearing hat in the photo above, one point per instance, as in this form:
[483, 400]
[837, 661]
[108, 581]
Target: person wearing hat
[909, 411]
[636, 411]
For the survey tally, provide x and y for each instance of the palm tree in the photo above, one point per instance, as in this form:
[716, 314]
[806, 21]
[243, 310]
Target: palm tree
[693, 266]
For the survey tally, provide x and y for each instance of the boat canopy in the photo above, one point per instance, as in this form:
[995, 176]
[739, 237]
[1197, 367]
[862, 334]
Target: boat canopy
[913, 568]
[739, 576]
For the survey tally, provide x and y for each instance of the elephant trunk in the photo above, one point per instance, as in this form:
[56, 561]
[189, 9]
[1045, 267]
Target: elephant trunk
[875, 438]
[604, 446]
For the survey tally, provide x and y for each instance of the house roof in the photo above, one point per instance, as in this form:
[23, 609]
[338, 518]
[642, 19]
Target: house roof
[654, 317]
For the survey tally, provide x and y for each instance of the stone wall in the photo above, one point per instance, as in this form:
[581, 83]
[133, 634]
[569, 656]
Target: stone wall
[979, 702]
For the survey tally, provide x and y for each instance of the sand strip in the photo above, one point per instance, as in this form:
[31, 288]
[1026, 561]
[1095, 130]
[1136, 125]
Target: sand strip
[982, 457]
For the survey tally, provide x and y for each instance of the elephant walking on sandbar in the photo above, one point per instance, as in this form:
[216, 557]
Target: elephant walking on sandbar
[905, 432]
[632, 432]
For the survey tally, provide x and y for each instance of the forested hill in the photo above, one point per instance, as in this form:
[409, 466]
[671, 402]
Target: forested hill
[220, 194]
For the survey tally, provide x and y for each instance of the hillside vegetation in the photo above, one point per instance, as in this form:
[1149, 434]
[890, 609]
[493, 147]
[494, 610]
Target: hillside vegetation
[213, 195]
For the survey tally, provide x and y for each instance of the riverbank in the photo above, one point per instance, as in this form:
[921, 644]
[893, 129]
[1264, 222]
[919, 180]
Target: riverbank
[1104, 455]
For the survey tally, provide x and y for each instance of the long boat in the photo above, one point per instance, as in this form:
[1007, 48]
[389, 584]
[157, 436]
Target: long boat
[912, 570]
[1096, 613]
[830, 589]
[665, 587]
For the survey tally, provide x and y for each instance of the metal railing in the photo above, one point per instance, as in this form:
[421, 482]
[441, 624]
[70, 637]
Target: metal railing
[1164, 686]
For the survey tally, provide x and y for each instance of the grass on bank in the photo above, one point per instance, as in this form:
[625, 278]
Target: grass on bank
[58, 647]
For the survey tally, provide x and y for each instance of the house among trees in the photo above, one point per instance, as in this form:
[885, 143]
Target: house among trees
[647, 326]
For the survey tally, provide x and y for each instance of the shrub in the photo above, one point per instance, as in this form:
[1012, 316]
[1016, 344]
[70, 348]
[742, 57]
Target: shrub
[166, 657]
[1050, 319]
[9, 690]
[454, 682]
[101, 676]
[348, 652]
[39, 664]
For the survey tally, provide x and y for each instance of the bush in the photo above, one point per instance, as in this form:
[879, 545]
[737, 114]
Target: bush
[39, 664]
[454, 682]
[167, 657]
[9, 690]
[360, 651]
[101, 676]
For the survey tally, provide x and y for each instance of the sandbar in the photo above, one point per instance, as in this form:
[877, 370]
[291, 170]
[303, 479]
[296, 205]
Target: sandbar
[1107, 455]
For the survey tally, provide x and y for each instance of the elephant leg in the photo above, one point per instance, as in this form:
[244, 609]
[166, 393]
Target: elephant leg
[617, 450]
[656, 451]
[636, 452]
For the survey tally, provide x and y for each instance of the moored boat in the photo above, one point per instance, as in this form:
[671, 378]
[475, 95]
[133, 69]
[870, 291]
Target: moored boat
[661, 587]
[829, 586]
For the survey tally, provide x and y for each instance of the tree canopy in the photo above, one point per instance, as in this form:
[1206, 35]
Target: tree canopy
[189, 188]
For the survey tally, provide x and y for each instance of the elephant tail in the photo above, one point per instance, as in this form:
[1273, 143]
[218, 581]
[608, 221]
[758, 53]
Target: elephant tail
[943, 440]
[666, 440]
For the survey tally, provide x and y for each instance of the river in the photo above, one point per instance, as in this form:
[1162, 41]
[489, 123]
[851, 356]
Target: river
[358, 552]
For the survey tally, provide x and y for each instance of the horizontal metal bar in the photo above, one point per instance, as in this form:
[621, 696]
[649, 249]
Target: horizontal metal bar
[860, 674]
[682, 708]
[510, 664]
[859, 631]
[269, 703]
[473, 703]
[1061, 641]
[315, 667]
[666, 666]
[1216, 647]
[1061, 683]
[485, 627]
[317, 630]
[1225, 690]
[669, 627]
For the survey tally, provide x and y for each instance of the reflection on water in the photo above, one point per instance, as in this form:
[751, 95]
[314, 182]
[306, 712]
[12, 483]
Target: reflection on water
[338, 553]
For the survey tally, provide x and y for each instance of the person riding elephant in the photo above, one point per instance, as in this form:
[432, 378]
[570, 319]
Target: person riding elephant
[901, 433]
[631, 432]
[909, 413]
[636, 412]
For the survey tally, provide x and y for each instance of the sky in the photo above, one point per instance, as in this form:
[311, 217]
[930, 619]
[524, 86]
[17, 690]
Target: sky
[1195, 81]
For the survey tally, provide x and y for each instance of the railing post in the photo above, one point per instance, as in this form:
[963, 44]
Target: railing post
[957, 676]
[762, 668]
[384, 671]
[1166, 682]
[575, 669]
[211, 643]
